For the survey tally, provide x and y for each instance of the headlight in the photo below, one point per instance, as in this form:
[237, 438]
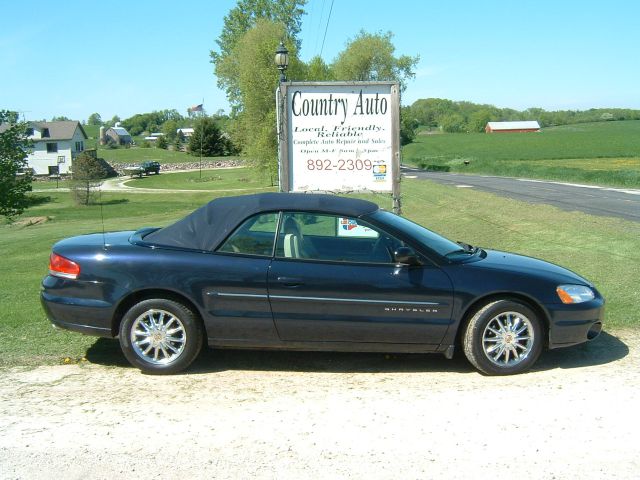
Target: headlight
[574, 293]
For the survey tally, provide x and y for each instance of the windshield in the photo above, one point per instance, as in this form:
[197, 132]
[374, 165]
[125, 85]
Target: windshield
[426, 237]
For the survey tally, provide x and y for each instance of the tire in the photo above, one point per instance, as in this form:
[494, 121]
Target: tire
[503, 338]
[160, 336]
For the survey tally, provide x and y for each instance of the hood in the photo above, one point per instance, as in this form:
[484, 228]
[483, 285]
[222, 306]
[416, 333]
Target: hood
[512, 262]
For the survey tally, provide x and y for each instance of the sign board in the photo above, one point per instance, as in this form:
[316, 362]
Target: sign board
[339, 136]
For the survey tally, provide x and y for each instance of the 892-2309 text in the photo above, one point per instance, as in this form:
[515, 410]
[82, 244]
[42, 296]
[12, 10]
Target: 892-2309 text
[340, 164]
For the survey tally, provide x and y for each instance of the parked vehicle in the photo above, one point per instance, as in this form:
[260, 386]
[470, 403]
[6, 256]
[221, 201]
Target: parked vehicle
[313, 272]
[150, 167]
[145, 168]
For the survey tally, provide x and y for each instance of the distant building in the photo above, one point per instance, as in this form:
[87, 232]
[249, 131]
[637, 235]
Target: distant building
[153, 136]
[186, 132]
[512, 127]
[55, 144]
[118, 135]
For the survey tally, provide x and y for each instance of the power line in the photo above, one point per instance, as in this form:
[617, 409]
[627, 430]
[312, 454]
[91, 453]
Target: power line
[326, 28]
[319, 27]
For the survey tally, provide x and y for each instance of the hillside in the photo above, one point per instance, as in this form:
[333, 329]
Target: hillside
[602, 152]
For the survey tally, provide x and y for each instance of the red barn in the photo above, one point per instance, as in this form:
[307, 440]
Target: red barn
[512, 127]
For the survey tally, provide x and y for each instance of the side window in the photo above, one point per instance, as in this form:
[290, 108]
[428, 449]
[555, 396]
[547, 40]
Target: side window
[332, 238]
[254, 237]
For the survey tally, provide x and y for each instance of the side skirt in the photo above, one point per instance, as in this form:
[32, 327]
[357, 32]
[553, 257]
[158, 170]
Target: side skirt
[331, 346]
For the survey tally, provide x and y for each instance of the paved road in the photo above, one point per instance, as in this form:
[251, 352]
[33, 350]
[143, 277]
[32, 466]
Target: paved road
[608, 202]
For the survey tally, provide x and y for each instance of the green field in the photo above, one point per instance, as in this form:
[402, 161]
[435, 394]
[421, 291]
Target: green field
[216, 179]
[605, 153]
[607, 251]
[92, 131]
[139, 155]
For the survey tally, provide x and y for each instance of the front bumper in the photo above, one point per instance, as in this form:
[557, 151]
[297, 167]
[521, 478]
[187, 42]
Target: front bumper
[574, 324]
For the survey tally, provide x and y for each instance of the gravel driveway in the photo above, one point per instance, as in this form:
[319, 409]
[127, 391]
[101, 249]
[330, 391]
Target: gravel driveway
[244, 414]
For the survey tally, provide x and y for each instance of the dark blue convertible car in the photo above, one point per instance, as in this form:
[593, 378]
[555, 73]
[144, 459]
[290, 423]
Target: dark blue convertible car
[312, 272]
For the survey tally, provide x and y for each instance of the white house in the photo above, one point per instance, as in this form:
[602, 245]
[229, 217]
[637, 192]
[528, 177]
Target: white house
[55, 144]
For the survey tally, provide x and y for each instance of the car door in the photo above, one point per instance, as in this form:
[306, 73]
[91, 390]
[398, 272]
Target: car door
[336, 282]
[235, 291]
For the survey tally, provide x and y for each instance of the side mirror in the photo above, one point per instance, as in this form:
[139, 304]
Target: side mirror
[406, 256]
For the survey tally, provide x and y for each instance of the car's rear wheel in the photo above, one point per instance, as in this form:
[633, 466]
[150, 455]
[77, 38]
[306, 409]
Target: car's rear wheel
[160, 336]
[504, 337]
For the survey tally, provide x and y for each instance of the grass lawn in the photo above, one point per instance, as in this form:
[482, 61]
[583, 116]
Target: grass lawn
[139, 155]
[606, 251]
[217, 179]
[605, 153]
[50, 184]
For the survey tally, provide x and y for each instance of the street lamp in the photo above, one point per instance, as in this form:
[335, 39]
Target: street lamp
[282, 60]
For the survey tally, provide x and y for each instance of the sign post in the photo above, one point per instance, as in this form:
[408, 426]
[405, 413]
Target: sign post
[340, 137]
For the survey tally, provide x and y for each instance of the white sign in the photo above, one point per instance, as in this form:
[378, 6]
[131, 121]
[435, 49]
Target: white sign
[341, 136]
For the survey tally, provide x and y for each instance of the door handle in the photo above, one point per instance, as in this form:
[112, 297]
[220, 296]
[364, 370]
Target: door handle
[290, 281]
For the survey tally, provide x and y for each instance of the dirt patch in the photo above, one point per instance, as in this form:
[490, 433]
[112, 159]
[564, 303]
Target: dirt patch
[29, 221]
[245, 414]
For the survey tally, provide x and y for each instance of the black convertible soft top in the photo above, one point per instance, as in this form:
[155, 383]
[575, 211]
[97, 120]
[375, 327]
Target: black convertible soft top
[207, 227]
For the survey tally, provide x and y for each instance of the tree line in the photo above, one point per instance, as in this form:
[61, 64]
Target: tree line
[465, 117]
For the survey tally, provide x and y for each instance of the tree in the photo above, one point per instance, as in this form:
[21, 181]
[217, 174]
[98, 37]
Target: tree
[408, 125]
[14, 184]
[371, 57]
[87, 175]
[478, 120]
[61, 118]
[244, 68]
[150, 122]
[162, 142]
[206, 138]
[170, 130]
[318, 71]
[254, 127]
[241, 19]
[177, 145]
[453, 123]
[115, 119]
[94, 119]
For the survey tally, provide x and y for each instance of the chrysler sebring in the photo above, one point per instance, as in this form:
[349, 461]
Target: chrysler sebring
[312, 272]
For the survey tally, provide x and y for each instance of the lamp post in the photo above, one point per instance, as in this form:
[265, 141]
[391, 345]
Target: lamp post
[282, 61]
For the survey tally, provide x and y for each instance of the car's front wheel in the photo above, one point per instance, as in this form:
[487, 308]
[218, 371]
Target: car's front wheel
[504, 337]
[160, 336]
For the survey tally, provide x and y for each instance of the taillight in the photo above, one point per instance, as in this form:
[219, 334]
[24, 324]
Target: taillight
[63, 267]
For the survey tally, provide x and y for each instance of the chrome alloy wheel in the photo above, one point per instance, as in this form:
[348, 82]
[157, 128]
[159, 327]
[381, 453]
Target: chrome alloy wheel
[508, 339]
[158, 337]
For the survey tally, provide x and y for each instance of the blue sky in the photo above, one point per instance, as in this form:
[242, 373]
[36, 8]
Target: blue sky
[80, 57]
